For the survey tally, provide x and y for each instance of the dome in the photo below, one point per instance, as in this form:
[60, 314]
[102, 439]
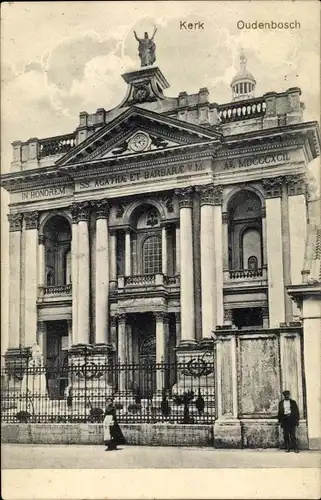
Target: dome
[243, 83]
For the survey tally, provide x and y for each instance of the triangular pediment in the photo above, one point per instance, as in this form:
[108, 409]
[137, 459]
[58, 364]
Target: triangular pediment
[137, 131]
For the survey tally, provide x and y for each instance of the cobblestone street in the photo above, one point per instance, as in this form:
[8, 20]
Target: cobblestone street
[16, 456]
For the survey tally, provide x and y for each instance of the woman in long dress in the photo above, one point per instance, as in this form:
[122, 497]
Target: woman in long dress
[113, 435]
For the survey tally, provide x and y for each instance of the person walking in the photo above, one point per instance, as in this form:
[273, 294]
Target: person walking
[113, 435]
[288, 417]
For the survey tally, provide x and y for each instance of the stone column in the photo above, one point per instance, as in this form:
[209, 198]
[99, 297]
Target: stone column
[122, 350]
[297, 216]
[15, 226]
[186, 265]
[31, 272]
[178, 250]
[113, 332]
[113, 255]
[69, 329]
[312, 355]
[74, 272]
[225, 241]
[164, 250]
[265, 316]
[161, 318]
[273, 191]
[41, 260]
[128, 263]
[83, 273]
[102, 273]
[218, 246]
[264, 237]
[41, 338]
[207, 260]
[122, 338]
[178, 327]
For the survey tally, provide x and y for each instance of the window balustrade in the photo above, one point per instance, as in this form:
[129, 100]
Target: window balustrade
[55, 290]
[245, 273]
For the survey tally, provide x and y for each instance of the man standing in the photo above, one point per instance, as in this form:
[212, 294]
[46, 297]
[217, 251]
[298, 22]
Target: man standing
[289, 417]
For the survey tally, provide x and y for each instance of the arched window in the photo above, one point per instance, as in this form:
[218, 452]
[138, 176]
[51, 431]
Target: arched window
[252, 262]
[152, 255]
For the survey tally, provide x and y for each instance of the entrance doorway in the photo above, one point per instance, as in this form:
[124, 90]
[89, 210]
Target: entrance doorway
[143, 330]
[57, 358]
[147, 364]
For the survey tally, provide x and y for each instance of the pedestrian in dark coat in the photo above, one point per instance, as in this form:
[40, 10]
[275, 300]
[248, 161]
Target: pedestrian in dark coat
[113, 435]
[288, 417]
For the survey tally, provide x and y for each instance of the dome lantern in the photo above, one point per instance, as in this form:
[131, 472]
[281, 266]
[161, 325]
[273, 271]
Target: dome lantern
[243, 83]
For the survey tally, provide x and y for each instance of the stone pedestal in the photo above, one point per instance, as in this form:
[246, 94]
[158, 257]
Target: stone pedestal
[91, 375]
[227, 434]
[16, 363]
[195, 368]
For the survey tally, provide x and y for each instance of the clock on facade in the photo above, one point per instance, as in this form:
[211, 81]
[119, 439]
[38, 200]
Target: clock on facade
[139, 142]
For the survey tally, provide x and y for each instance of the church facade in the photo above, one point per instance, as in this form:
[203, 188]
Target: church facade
[166, 228]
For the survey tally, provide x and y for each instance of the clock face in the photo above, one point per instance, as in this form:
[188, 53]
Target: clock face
[139, 142]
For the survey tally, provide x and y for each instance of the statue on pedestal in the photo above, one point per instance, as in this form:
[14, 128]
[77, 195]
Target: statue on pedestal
[146, 49]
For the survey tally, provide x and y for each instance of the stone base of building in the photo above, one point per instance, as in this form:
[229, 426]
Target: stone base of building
[227, 434]
[231, 434]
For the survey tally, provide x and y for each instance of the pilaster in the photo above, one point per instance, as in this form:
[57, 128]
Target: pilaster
[15, 227]
[187, 273]
[83, 273]
[102, 272]
[31, 278]
[273, 193]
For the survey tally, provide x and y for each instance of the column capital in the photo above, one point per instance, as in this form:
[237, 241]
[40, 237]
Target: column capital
[41, 239]
[273, 187]
[101, 207]
[224, 217]
[122, 319]
[80, 211]
[161, 316]
[15, 222]
[263, 212]
[296, 184]
[218, 195]
[113, 321]
[206, 192]
[184, 196]
[227, 314]
[31, 219]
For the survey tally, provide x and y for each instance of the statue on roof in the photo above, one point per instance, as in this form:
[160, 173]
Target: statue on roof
[146, 48]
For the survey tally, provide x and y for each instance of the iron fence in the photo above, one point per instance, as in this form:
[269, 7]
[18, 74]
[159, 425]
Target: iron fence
[78, 390]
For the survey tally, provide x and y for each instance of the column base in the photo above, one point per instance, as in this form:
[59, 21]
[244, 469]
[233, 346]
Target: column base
[227, 434]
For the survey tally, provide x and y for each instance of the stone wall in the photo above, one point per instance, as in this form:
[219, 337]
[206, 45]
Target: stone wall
[254, 434]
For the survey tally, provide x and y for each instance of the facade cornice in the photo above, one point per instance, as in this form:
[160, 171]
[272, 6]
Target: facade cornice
[151, 158]
[99, 167]
[36, 178]
[227, 151]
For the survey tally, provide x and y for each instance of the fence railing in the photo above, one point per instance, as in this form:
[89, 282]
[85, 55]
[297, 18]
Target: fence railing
[145, 392]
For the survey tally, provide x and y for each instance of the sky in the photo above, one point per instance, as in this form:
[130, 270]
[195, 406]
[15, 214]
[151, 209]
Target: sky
[61, 58]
